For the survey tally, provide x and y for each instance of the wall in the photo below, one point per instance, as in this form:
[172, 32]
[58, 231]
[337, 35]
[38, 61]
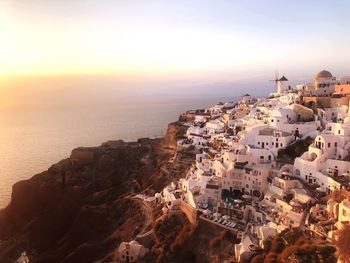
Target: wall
[304, 128]
[304, 112]
[344, 88]
[337, 102]
[190, 212]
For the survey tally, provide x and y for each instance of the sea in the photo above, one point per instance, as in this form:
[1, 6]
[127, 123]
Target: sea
[42, 120]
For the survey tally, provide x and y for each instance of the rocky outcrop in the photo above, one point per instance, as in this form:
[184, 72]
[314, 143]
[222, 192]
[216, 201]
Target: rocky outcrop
[80, 209]
[175, 132]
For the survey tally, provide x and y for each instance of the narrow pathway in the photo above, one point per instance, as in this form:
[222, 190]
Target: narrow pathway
[147, 210]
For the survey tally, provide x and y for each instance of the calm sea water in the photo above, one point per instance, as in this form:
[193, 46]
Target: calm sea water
[35, 136]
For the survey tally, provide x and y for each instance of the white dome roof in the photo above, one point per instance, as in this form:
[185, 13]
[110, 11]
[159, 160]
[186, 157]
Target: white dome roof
[324, 74]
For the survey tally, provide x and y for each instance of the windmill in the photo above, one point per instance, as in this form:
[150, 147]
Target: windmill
[280, 83]
[276, 79]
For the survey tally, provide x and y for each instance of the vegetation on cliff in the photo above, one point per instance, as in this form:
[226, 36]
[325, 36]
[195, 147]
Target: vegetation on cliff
[294, 150]
[296, 245]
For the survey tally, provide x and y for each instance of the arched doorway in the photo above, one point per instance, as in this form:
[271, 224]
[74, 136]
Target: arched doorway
[256, 193]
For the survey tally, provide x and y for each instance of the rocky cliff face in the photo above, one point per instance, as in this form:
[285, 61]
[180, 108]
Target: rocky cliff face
[80, 209]
[175, 132]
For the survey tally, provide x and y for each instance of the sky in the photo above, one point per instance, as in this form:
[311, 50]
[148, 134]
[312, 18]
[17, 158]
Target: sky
[209, 40]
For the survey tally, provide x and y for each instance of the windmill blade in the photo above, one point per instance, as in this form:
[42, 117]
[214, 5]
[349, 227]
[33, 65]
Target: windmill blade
[277, 75]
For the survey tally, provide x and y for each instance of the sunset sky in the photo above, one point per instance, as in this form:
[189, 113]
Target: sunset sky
[44, 37]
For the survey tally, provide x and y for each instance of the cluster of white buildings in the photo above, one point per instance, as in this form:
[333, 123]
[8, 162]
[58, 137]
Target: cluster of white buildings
[240, 180]
[239, 174]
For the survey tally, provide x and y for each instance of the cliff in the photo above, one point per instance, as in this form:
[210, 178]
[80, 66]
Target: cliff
[175, 132]
[80, 209]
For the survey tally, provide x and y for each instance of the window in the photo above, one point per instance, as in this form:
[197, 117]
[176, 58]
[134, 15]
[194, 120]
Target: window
[335, 144]
[338, 131]
[344, 212]
[329, 145]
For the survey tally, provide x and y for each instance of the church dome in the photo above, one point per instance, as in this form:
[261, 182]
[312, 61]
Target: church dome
[324, 74]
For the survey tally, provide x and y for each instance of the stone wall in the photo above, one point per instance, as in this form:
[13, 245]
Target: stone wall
[190, 212]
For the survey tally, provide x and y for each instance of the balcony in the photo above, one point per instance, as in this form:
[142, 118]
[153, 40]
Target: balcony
[314, 152]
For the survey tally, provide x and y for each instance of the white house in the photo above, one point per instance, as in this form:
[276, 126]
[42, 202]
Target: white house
[244, 178]
[131, 251]
[324, 83]
[246, 99]
[345, 80]
[273, 139]
[281, 116]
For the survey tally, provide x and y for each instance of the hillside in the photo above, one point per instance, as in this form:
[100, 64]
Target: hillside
[80, 209]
